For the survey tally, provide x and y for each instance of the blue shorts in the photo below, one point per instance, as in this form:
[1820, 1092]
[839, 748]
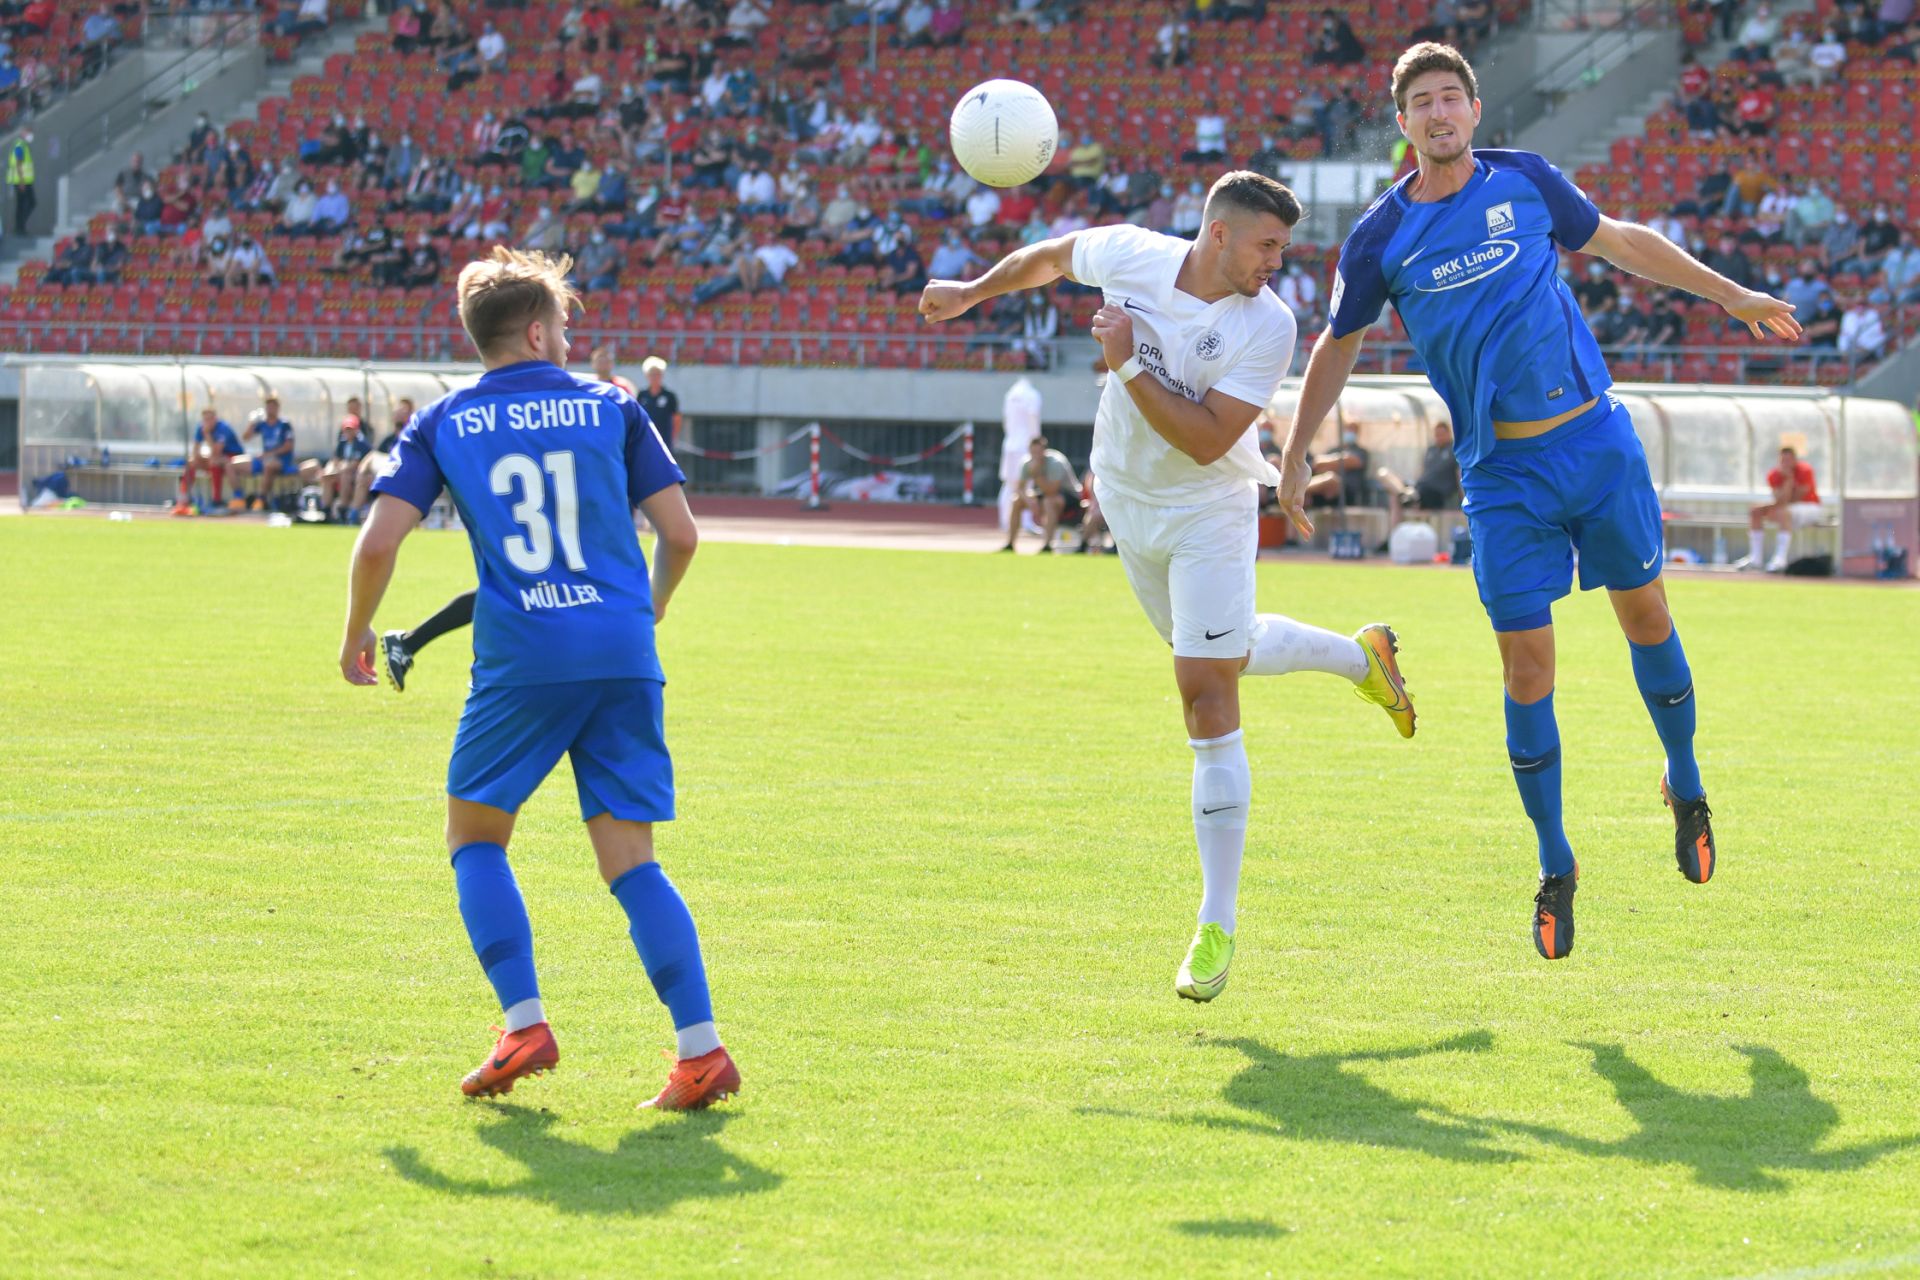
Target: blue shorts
[511, 736]
[1530, 503]
[287, 465]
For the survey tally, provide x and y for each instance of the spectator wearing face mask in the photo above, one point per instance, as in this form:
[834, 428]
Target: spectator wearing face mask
[331, 212]
[1879, 234]
[422, 267]
[1805, 288]
[1840, 244]
[1811, 215]
[1352, 463]
[1820, 328]
[598, 267]
[1757, 35]
[1665, 327]
[1901, 265]
[1620, 326]
[953, 259]
[1826, 58]
[1595, 291]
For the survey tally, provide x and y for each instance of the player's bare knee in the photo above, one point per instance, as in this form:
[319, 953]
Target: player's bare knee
[1528, 671]
[1211, 697]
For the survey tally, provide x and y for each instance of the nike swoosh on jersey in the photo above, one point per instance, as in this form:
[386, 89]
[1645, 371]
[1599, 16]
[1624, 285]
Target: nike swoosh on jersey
[1410, 257]
[1128, 304]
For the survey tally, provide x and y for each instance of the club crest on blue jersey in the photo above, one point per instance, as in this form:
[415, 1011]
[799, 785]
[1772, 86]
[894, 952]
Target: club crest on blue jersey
[1500, 219]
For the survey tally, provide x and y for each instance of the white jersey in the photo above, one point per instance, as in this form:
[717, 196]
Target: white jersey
[1020, 418]
[1238, 346]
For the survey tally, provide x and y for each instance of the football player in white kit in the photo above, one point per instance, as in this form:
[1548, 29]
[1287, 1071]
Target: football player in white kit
[1197, 345]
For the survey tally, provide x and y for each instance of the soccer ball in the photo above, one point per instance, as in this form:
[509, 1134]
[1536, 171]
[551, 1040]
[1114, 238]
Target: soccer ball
[1004, 133]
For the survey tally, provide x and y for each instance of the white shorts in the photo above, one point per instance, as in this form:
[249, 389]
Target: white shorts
[1802, 514]
[1191, 568]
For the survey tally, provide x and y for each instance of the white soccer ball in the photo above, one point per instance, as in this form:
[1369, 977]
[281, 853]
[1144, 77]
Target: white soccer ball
[1004, 132]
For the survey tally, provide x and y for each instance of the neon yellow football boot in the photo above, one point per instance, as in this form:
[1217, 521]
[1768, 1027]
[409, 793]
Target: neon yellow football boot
[1203, 975]
[1383, 685]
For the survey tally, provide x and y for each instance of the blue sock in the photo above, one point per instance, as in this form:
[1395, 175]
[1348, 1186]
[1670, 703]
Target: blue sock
[1533, 747]
[664, 935]
[1666, 686]
[496, 918]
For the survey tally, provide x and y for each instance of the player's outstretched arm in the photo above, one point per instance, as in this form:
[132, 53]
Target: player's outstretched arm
[679, 538]
[378, 546]
[1328, 368]
[1650, 255]
[1031, 267]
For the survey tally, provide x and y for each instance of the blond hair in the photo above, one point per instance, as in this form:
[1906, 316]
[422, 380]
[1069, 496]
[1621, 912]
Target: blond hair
[502, 294]
[1428, 56]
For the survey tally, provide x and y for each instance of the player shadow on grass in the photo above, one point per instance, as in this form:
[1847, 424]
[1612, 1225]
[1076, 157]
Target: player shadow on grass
[1733, 1142]
[1318, 1098]
[651, 1169]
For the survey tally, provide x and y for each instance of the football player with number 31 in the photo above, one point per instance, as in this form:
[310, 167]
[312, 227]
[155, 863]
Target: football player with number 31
[1197, 345]
[546, 469]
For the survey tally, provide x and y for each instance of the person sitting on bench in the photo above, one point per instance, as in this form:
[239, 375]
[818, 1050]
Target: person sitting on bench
[1796, 504]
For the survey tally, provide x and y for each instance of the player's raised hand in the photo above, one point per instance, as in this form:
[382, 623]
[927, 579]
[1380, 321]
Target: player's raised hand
[1764, 313]
[357, 657]
[944, 300]
[1294, 476]
[1113, 329]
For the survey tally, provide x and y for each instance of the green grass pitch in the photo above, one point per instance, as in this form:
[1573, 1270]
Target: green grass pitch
[934, 829]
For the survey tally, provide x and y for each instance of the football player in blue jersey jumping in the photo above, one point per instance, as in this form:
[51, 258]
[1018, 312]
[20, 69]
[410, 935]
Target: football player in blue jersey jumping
[546, 469]
[1467, 250]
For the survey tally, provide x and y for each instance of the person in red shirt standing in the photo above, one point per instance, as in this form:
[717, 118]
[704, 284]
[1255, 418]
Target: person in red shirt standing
[1796, 503]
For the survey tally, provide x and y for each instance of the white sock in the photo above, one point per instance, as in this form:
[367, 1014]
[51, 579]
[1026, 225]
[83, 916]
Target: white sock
[1756, 545]
[697, 1040]
[1281, 645]
[528, 1013]
[1222, 794]
[1781, 541]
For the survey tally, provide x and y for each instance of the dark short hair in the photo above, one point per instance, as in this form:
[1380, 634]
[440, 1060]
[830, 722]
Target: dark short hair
[1787, 448]
[1254, 193]
[1037, 440]
[1427, 56]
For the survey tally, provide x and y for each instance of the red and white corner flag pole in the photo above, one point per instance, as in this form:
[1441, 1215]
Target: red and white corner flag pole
[813, 467]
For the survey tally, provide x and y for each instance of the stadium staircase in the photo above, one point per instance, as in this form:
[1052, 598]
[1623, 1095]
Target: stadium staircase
[1632, 123]
[157, 131]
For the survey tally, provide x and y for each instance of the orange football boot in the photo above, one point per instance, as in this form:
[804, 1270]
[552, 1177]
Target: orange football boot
[1693, 846]
[526, 1052]
[698, 1082]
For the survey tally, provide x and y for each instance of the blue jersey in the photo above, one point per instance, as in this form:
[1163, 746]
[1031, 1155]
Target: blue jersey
[273, 434]
[223, 439]
[1476, 280]
[545, 469]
